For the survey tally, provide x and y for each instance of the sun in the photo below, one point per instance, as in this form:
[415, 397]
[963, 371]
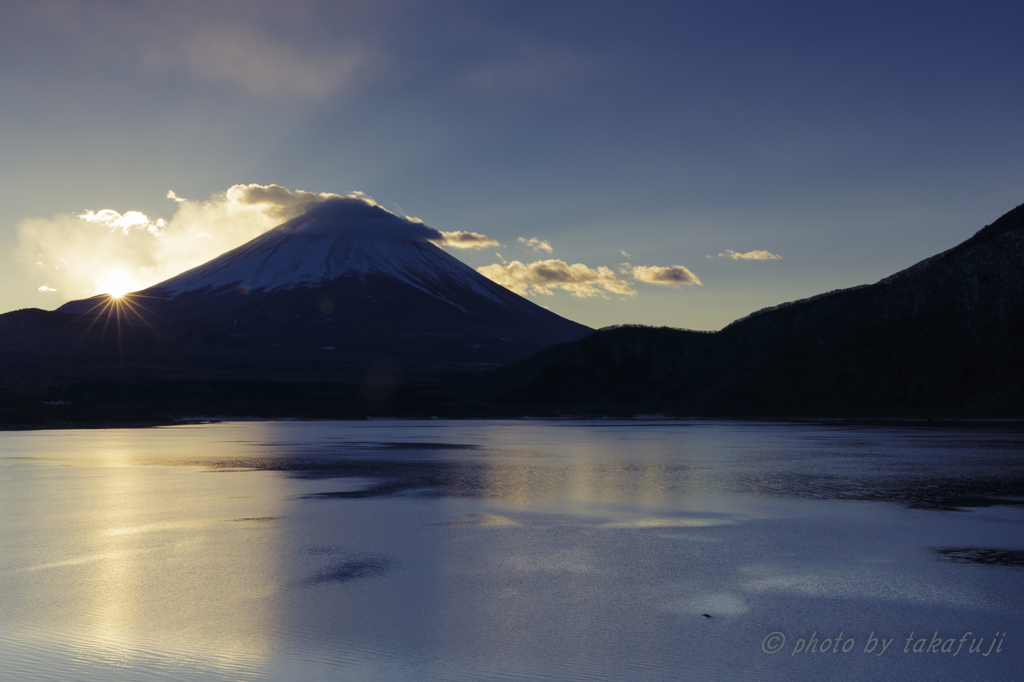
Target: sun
[117, 285]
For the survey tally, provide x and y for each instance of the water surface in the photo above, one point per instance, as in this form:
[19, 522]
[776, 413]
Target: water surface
[511, 550]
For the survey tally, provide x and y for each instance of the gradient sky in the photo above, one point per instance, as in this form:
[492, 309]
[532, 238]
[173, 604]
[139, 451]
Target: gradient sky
[850, 139]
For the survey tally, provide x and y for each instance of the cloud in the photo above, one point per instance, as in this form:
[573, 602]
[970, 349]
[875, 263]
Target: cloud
[358, 217]
[466, 240]
[311, 49]
[115, 221]
[256, 62]
[277, 201]
[536, 244]
[80, 255]
[668, 276]
[626, 255]
[542, 277]
[749, 255]
[264, 48]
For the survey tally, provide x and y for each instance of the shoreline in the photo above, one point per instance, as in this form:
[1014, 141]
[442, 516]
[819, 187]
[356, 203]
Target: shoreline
[928, 422]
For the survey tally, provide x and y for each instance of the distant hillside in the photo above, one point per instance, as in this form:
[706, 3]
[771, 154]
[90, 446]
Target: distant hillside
[943, 338]
[36, 332]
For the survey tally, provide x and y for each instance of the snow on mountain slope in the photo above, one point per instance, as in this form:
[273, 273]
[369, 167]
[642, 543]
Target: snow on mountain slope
[337, 238]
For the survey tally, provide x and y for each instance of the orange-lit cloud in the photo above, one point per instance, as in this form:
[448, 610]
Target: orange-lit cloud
[542, 277]
[668, 276]
[466, 240]
[536, 244]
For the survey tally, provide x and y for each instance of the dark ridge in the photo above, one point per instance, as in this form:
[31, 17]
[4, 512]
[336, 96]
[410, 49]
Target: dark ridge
[789, 304]
[938, 340]
[652, 326]
[1009, 221]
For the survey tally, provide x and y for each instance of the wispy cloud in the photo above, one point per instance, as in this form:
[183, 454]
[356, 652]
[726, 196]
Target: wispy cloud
[260, 47]
[536, 244]
[313, 50]
[749, 255]
[256, 62]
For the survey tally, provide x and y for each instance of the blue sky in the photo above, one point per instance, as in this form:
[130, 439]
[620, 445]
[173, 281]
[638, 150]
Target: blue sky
[849, 139]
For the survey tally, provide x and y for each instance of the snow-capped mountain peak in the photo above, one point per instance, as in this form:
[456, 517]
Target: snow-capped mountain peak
[341, 237]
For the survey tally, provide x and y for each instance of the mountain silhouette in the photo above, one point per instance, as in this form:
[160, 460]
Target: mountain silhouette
[943, 338]
[349, 310]
[336, 290]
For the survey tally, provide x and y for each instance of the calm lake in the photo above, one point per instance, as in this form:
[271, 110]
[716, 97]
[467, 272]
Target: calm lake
[516, 550]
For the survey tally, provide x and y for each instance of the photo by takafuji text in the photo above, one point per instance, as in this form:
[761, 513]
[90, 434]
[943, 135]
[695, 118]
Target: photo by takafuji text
[877, 645]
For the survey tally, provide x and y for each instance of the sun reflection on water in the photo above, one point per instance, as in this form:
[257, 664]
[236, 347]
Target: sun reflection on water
[137, 559]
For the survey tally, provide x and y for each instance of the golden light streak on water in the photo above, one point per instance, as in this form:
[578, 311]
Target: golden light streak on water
[150, 554]
[594, 472]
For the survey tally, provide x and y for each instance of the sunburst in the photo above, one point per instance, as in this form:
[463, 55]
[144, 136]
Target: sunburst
[123, 309]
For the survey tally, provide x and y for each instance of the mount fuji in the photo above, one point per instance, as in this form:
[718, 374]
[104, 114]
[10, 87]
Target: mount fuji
[343, 286]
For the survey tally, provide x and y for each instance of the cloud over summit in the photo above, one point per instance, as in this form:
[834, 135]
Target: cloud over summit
[275, 200]
[355, 214]
[357, 217]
